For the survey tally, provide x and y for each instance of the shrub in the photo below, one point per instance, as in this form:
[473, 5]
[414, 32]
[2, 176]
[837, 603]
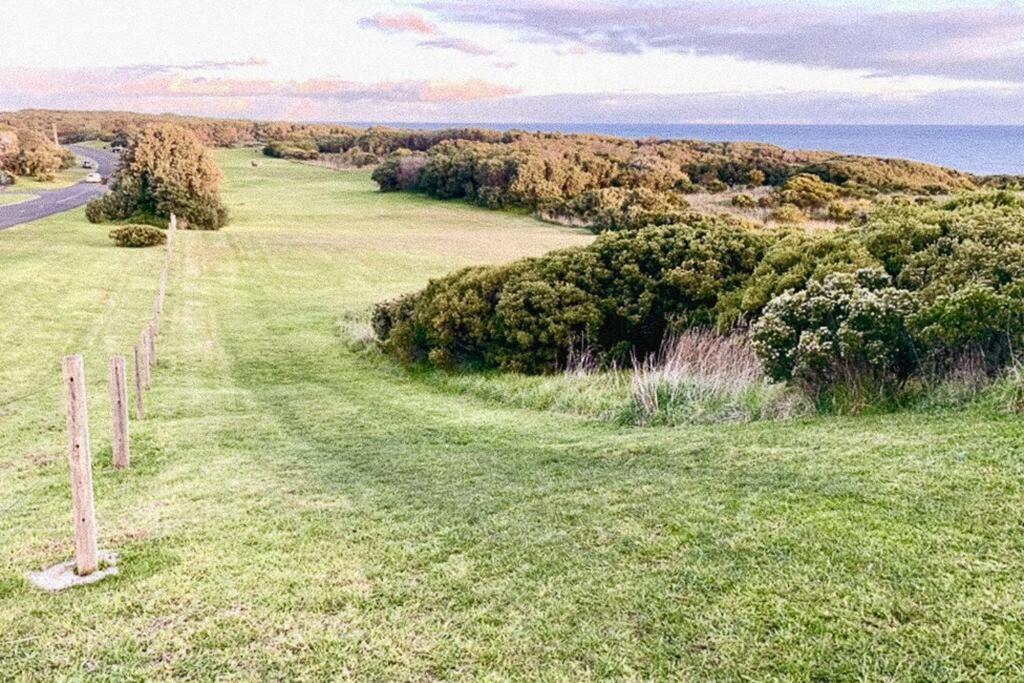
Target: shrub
[807, 191]
[400, 171]
[755, 177]
[840, 212]
[796, 259]
[616, 208]
[164, 170]
[292, 148]
[744, 201]
[847, 329]
[138, 236]
[974, 319]
[619, 295]
[789, 214]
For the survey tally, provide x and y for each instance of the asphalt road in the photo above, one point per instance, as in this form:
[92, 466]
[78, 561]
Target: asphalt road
[55, 201]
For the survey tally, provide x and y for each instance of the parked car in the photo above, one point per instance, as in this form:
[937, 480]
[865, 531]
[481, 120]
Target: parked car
[88, 163]
[94, 178]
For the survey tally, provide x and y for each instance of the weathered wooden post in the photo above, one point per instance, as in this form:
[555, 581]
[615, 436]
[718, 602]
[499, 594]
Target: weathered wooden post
[119, 411]
[80, 460]
[146, 374]
[140, 411]
[151, 336]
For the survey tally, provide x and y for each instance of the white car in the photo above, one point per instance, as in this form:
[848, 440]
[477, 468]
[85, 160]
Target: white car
[93, 178]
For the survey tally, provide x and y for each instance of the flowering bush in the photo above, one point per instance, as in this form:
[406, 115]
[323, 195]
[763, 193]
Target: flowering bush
[847, 323]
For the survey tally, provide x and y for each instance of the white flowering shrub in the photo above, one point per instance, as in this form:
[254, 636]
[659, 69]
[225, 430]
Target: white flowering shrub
[847, 324]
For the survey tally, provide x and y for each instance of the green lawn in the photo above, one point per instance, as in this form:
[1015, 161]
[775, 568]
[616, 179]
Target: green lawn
[300, 509]
[7, 198]
[64, 178]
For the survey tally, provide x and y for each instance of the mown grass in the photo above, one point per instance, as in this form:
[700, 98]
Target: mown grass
[7, 198]
[63, 178]
[300, 509]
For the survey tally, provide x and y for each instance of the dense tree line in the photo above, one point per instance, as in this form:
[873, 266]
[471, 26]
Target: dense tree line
[560, 174]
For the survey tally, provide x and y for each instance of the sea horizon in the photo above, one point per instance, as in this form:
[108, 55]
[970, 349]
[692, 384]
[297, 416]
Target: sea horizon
[990, 149]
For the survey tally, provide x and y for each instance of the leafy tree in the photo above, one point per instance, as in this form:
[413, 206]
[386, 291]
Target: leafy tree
[164, 170]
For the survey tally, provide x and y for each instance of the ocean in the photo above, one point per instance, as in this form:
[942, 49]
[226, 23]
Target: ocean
[987, 150]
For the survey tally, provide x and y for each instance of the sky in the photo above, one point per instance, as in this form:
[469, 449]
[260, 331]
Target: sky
[522, 61]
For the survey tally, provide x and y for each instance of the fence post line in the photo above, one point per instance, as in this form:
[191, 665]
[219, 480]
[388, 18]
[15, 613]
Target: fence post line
[119, 411]
[80, 461]
[146, 375]
[140, 411]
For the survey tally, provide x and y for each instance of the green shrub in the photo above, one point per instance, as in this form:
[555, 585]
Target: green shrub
[974, 319]
[616, 208]
[400, 171]
[807, 191]
[744, 201]
[840, 212]
[619, 295]
[794, 260]
[292, 148]
[789, 214]
[847, 328]
[138, 236]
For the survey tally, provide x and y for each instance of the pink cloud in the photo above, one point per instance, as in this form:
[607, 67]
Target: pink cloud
[459, 44]
[467, 91]
[128, 82]
[399, 23]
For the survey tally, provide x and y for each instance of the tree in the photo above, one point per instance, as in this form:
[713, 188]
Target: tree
[164, 170]
[25, 152]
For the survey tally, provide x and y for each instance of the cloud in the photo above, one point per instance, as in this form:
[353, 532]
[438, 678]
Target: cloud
[399, 23]
[129, 82]
[977, 43]
[413, 23]
[449, 43]
[467, 91]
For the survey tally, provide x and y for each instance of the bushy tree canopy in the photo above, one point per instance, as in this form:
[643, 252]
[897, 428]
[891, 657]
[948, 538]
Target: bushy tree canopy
[164, 170]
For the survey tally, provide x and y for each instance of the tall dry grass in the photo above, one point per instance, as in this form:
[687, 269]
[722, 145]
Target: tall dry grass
[703, 376]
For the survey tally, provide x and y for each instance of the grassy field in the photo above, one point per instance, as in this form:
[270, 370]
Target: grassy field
[8, 198]
[64, 178]
[299, 508]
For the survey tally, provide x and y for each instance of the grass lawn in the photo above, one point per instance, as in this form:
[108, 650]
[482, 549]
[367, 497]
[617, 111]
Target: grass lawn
[95, 144]
[8, 198]
[64, 178]
[299, 509]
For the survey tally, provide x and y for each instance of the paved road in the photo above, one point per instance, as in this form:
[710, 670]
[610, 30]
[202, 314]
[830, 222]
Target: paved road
[55, 201]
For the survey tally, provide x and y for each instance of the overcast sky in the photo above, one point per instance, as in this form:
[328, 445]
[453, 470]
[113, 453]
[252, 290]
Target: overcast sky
[941, 61]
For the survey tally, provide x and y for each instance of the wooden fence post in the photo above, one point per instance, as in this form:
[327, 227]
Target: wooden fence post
[151, 336]
[80, 460]
[146, 374]
[140, 412]
[119, 411]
